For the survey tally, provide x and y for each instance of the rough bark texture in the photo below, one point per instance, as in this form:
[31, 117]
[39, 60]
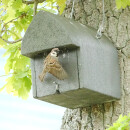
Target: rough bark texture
[117, 29]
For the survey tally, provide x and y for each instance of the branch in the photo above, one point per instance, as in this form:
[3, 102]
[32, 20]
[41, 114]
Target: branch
[6, 75]
[35, 2]
[28, 2]
[32, 2]
[35, 7]
[6, 24]
[40, 1]
[11, 21]
[11, 42]
[13, 73]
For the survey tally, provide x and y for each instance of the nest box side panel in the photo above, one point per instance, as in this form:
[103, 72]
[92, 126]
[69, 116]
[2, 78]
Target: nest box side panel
[48, 87]
[99, 67]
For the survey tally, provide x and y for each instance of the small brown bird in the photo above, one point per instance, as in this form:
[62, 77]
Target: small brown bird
[52, 66]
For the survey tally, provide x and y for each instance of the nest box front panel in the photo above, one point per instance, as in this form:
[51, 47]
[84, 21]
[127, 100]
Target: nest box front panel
[48, 87]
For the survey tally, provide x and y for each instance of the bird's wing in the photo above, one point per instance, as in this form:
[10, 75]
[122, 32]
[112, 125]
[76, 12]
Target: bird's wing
[57, 70]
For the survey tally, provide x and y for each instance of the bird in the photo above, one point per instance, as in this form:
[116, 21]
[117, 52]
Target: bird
[53, 66]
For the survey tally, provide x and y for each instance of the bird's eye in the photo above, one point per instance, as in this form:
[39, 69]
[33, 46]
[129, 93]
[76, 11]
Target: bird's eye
[54, 54]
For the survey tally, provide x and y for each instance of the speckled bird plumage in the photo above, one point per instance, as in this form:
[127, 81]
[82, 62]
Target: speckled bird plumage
[52, 66]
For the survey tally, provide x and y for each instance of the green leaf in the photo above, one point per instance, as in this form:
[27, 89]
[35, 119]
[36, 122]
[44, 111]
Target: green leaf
[23, 93]
[10, 14]
[122, 3]
[9, 86]
[21, 74]
[128, 2]
[118, 4]
[121, 124]
[9, 51]
[2, 43]
[8, 66]
[1, 89]
[16, 4]
[62, 5]
[27, 83]
[5, 2]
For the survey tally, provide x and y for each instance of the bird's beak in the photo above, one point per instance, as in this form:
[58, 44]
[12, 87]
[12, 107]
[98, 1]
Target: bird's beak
[58, 51]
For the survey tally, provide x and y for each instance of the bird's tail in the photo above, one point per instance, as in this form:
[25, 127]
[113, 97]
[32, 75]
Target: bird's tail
[42, 75]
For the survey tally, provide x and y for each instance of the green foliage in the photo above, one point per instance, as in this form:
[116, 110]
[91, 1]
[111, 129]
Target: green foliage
[19, 66]
[61, 4]
[2, 43]
[123, 123]
[122, 3]
[15, 18]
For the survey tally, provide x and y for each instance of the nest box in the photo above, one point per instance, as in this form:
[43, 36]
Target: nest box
[91, 63]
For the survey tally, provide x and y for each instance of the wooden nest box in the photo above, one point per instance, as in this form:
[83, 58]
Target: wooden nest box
[91, 63]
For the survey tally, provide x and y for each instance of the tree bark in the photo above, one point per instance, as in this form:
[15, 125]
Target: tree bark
[117, 29]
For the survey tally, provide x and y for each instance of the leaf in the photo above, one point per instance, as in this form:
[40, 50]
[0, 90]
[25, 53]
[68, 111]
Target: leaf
[1, 89]
[27, 83]
[17, 83]
[128, 2]
[23, 93]
[21, 74]
[21, 63]
[9, 86]
[121, 124]
[9, 51]
[5, 2]
[124, 3]
[2, 43]
[62, 5]
[118, 4]
[10, 14]
[8, 66]
[16, 4]
[1, 6]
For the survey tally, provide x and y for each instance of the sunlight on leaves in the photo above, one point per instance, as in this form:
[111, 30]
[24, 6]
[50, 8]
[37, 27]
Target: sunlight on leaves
[2, 43]
[122, 3]
[123, 123]
[19, 66]
[62, 5]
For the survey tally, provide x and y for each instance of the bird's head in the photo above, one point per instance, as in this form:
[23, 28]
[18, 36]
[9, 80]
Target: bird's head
[55, 52]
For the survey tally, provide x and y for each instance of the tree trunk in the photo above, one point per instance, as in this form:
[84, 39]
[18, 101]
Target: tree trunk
[117, 29]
